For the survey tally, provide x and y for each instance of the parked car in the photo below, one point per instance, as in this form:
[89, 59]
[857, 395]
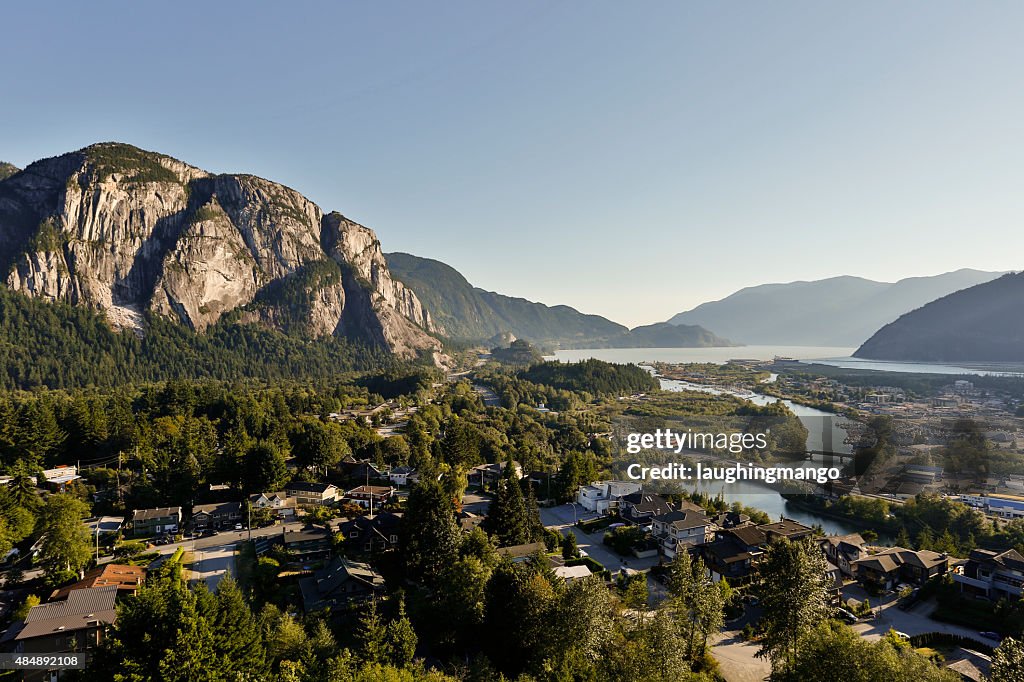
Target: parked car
[994, 636]
[846, 615]
[208, 533]
[238, 526]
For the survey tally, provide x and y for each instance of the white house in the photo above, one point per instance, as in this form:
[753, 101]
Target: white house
[601, 496]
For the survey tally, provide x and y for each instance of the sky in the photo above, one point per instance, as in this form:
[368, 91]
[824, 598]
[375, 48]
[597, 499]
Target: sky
[630, 160]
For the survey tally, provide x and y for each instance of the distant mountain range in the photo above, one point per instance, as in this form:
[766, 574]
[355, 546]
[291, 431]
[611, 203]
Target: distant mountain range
[839, 311]
[984, 323]
[466, 313]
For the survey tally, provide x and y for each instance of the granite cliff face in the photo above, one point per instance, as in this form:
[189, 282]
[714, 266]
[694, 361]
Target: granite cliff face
[127, 231]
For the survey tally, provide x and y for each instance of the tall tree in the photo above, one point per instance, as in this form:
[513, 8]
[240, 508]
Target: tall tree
[430, 533]
[236, 637]
[65, 544]
[795, 597]
[507, 518]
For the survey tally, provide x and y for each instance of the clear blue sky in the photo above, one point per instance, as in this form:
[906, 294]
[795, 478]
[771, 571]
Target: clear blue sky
[631, 160]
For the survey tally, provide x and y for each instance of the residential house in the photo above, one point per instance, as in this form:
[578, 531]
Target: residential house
[679, 530]
[468, 520]
[153, 521]
[728, 519]
[993, 574]
[572, 573]
[403, 475]
[308, 544]
[216, 515]
[786, 528]
[640, 508]
[369, 496]
[601, 496]
[125, 578]
[76, 624]
[366, 471]
[519, 553]
[897, 565]
[57, 479]
[734, 554]
[104, 528]
[487, 475]
[341, 582]
[282, 505]
[312, 494]
[372, 533]
[843, 550]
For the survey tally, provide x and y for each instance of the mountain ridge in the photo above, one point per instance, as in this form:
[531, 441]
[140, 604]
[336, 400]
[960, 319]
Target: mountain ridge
[837, 311]
[984, 323]
[469, 313]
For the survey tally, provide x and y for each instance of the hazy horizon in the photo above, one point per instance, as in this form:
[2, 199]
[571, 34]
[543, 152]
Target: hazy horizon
[631, 162]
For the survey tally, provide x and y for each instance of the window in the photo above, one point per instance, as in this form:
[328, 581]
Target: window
[354, 533]
[394, 539]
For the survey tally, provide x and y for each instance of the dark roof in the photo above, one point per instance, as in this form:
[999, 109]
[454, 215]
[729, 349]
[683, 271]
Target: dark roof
[308, 486]
[646, 503]
[786, 528]
[751, 536]
[306, 534]
[1011, 558]
[894, 557]
[726, 550]
[681, 520]
[324, 585]
[82, 609]
[217, 508]
[161, 512]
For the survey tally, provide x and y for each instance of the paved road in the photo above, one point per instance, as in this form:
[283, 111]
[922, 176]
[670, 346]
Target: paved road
[486, 394]
[211, 564]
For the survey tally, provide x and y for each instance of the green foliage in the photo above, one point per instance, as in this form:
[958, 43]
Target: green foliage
[795, 597]
[1008, 661]
[137, 165]
[430, 533]
[57, 345]
[592, 376]
[508, 518]
[65, 544]
[834, 651]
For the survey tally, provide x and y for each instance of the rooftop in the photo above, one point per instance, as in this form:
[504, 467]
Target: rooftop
[82, 609]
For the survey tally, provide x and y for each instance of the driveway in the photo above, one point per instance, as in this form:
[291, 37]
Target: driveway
[736, 659]
[916, 621]
[561, 519]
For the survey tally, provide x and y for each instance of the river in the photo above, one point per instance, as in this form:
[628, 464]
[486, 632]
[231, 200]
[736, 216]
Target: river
[824, 429]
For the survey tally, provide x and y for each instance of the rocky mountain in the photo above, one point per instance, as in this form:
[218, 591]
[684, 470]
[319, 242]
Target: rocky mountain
[130, 232]
[468, 313]
[984, 323]
[839, 311]
[7, 170]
